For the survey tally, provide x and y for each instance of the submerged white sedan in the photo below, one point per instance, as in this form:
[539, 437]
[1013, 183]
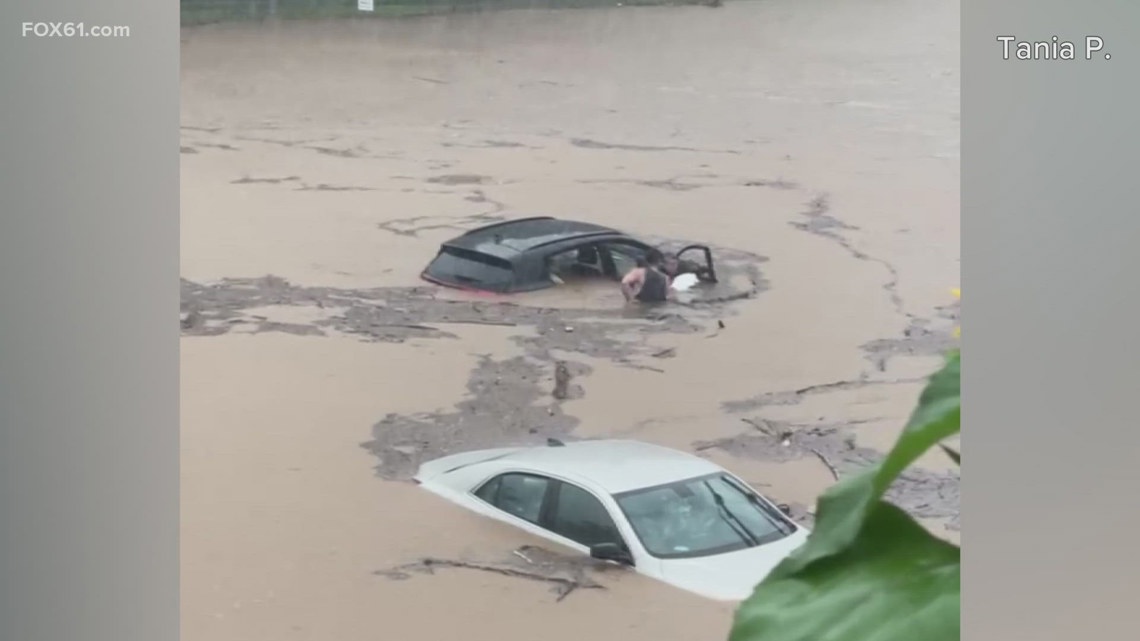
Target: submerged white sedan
[670, 515]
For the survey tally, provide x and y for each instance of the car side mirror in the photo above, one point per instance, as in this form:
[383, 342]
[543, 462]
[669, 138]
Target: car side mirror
[785, 508]
[611, 552]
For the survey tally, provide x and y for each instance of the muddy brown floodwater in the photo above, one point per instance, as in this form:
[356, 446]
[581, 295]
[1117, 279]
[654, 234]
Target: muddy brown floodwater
[815, 145]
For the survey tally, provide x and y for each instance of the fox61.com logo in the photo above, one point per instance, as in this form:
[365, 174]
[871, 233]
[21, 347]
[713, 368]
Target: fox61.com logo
[71, 30]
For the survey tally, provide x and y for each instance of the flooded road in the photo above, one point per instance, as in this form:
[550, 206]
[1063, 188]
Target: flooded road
[816, 147]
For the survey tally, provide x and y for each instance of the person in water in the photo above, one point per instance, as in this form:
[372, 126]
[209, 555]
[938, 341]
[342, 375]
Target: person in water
[671, 265]
[648, 282]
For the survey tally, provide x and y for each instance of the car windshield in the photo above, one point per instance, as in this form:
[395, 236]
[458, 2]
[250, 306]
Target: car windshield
[455, 266]
[701, 517]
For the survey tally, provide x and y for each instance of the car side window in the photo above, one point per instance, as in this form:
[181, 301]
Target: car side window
[582, 518]
[583, 260]
[520, 495]
[624, 257]
[488, 490]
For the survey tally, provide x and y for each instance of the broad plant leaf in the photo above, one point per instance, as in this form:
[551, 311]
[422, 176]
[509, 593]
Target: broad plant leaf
[894, 582]
[843, 508]
[869, 572]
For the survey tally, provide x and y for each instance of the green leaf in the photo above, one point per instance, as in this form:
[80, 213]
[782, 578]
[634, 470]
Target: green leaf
[895, 582]
[868, 571]
[843, 508]
[938, 416]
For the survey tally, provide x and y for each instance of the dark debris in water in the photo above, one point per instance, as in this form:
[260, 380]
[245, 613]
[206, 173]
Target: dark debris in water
[923, 493]
[565, 573]
[917, 340]
[586, 143]
[459, 179]
[508, 405]
[796, 396]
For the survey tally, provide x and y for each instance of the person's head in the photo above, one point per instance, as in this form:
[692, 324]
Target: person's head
[671, 264]
[654, 258]
[642, 262]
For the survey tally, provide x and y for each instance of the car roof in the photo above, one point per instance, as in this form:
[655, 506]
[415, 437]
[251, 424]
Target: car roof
[615, 466]
[510, 238]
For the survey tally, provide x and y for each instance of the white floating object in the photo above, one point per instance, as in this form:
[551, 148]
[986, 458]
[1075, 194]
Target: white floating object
[684, 282]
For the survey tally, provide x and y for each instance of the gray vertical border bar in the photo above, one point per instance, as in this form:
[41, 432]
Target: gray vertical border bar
[88, 324]
[1051, 224]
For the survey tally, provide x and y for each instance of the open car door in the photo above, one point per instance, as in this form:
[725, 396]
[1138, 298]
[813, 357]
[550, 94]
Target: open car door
[700, 262]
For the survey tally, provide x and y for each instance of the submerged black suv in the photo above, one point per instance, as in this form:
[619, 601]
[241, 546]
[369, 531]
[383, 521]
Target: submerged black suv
[524, 255]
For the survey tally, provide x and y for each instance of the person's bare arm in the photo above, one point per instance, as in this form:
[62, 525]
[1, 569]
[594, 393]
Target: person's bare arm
[632, 282]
